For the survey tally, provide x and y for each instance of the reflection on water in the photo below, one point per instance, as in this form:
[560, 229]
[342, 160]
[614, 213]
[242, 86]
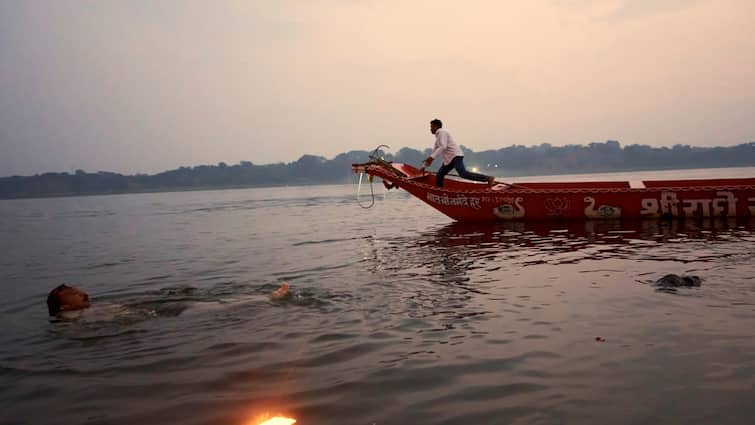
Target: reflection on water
[545, 233]
[398, 316]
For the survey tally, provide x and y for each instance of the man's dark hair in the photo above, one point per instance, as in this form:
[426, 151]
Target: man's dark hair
[53, 304]
[436, 122]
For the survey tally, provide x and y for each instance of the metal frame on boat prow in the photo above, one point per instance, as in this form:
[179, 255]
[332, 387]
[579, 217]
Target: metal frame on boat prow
[470, 201]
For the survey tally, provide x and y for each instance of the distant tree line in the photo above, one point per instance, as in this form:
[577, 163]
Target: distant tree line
[309, 169]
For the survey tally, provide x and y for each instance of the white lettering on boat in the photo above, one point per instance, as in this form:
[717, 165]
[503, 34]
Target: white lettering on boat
[649, 207]
[454, 201]
[669, 205]
[726, 199]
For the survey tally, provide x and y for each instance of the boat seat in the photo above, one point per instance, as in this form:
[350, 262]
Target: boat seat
[575, 185]
[700, 183]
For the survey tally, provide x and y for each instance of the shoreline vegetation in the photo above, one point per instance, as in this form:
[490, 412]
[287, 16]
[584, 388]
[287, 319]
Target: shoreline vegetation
[513, 161]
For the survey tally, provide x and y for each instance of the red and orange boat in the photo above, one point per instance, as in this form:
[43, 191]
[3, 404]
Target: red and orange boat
[470, 201]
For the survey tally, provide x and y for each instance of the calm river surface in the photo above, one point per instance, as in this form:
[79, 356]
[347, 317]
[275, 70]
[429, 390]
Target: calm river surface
[400, 316]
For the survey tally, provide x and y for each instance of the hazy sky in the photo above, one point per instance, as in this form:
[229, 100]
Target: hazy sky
[143, 86]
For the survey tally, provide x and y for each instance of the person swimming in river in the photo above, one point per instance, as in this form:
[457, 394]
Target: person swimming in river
[453, 156]
[65, 298]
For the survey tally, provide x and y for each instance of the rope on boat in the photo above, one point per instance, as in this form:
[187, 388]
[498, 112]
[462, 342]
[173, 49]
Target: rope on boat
[372, 192]
[374, 158]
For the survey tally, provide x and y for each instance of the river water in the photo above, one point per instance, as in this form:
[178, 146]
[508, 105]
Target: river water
[399, 316]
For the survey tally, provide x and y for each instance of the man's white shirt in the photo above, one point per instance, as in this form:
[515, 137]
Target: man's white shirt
[445, 144]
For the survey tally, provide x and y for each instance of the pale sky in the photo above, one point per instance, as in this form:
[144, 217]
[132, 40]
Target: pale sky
[149, 85]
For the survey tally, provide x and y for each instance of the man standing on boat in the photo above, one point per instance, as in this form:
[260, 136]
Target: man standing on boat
[453, 157]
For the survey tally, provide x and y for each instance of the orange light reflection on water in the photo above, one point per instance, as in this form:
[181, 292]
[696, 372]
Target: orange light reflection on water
[278, 420]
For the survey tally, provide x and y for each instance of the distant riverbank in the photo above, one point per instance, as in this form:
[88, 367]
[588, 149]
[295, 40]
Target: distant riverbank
[513, 161]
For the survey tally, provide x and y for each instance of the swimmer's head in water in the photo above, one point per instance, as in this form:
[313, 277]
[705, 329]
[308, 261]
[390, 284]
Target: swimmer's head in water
[66, 298]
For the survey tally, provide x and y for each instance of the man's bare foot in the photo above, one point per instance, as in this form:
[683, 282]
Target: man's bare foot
[281, 292]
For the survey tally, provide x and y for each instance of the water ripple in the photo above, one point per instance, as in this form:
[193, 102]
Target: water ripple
[396, 315]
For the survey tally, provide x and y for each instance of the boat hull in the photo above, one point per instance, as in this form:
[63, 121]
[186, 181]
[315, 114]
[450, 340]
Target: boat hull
[468, 201]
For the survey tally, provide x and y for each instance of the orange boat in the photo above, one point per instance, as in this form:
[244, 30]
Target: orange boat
[470, 201]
